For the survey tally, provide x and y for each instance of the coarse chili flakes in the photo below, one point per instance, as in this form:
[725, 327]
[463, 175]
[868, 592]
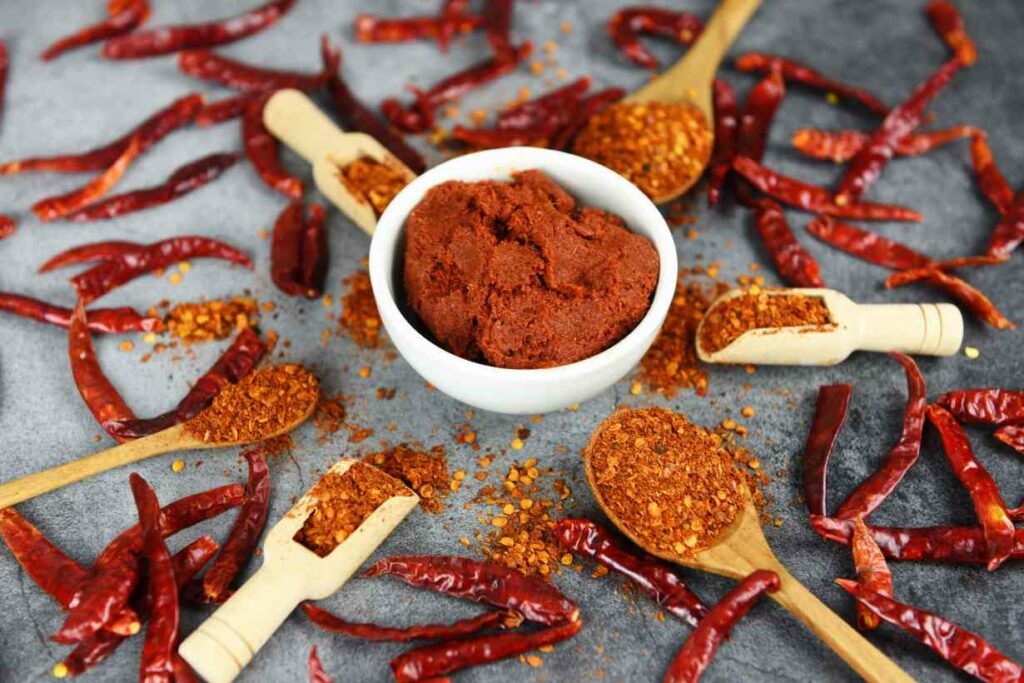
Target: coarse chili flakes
[424, 471]
[208, 320]
[257, 407]
[360, 318]
[659, 147]
[759, 309]
[371, 181]
[669, 481]
[344, 501]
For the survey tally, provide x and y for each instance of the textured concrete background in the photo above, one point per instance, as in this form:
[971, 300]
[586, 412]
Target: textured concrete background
[82, 100]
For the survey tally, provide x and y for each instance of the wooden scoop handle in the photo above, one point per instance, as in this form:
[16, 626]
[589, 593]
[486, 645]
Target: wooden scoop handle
[297, 122]
[930, 329]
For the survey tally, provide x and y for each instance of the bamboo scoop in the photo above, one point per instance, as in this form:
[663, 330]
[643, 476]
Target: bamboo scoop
[176, 438]
[297, 122]
[929, 329]
[225, 643]
[690, 79]
[740, 550]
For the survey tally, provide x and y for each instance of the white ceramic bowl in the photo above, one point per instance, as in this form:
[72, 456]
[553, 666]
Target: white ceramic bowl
[523, 391]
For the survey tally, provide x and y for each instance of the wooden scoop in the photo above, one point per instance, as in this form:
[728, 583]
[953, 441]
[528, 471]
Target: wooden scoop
[929, 329]
[740, 550]
[297, 122]
[225, 643]
[691, 78]
[176, 438]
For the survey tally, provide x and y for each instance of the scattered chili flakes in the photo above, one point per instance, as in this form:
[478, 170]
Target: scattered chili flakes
[424, 471]
[359, 318]
[344, 501]
[759, 309]
[373, 181]
[209, 320]
[329, 417]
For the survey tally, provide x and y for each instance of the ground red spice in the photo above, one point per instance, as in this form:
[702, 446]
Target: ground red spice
[344, 501]
[262, 403]
[667, 480]
[373, 181]
[424, 471]
[360, 319]
[759, 309]
[207, 320]
[658, 146]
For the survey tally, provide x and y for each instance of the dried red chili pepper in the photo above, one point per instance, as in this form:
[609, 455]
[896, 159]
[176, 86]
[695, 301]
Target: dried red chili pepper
[988, 503]
[833, 401]
[794, 264]
[419, 117]
[1009, 233]
[261, 151]
[587, 108]
[286, 250]
[429, 662]
[179, 113]
[756, 121]
[314, 253]
[189, 177]
[990, 179]
[958, 646]
[162, 630]
[976, 302]
[58, 575]
[129, 18]
[497, 18]
[8, 226]
[244, 536]
[626, 25]
[96, 251]
[102, 278]
[933, 544]
[458, 629]
[210, 66]
[1013, 436]
[52, 208]
[867, 164]
[699, 649]
[873, 491]
[842, 145]
[911, 275]
[984, 406]
[370, 28]
[316, 669]
[872, 572]
[655, 578]
[814, 198]
[794, 72]
[488, 582]
[726, 126]
[226, 109]
[102, 320]
[869, 246]
[117, 570]
[99, 395]
[167, 39]
[950, 26]
[238, 361]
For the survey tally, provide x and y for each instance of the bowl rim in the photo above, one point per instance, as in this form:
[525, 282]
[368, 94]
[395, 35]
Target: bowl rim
[392, 222]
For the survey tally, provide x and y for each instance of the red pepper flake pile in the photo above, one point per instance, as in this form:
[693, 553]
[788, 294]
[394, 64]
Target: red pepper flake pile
[208, 320]
[261, 404]
[657, 146]
[344, 501]
[372, 181]
[360, 319]
[758, 309]
[425, 472]
[668, 480]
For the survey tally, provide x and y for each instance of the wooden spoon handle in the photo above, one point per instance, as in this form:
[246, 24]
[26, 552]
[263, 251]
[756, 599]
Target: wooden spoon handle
[296, 121]
[54, 478]
[862, 656]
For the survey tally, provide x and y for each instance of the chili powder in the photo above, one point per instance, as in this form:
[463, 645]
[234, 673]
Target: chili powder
[757, 309]
[262, 403]
[668, 481]
[425, 472]
[344, 501]
[655, 145]
[372, 181]
[360, 318]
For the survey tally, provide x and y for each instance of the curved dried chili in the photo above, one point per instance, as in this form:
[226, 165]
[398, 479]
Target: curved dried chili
[988, 502]
[794, 264]
[316, 669]
[655, 578]
[700, 648]
[976, 302]
[167, 39]
[627, 24]
[314, 253]
[726, 126]
[370, 28]
[950, 26]
[225, 110]
[102, 320]
[759, 109]
[52, 208]
[984, 406]
[1013, 436]
[990, 179]
[209, 66]
[842, 145]
[286, 250]
[373, 632]
[129, 18]
[587, 108]
[798, 73]
[864, 244]
[58, 575]
[261, 150]
[873, 491]
[829, 415]
[96, 251]
[1009, 233]
[497, 23]
[8, 226]
[872, 572]
[189, 177]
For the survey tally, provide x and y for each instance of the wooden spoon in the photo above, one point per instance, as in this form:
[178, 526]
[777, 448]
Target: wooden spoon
[297, 122]
[741, 549]
[690, 79]
[176, 438]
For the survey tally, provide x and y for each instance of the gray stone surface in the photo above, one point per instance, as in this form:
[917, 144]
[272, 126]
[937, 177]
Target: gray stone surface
[82, 100]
